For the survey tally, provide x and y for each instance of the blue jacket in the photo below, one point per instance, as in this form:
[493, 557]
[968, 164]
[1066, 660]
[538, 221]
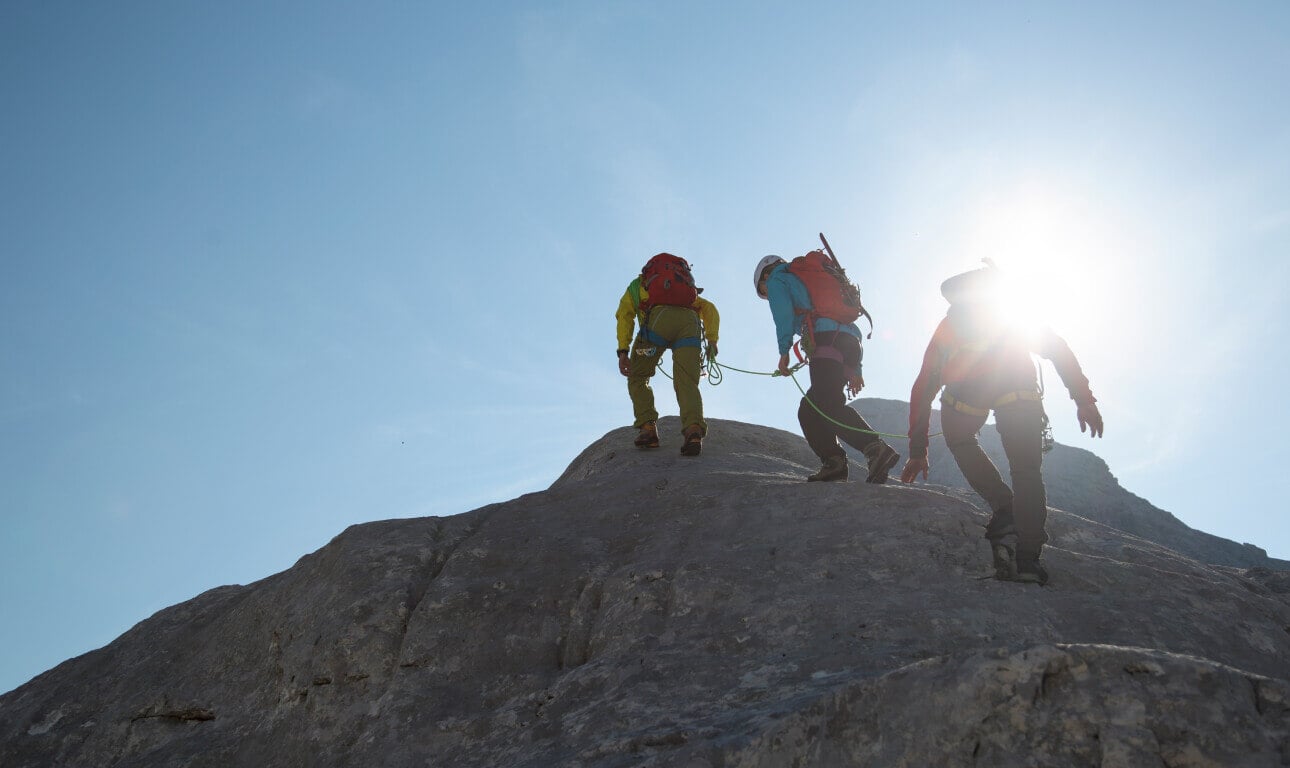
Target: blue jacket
[787, 295]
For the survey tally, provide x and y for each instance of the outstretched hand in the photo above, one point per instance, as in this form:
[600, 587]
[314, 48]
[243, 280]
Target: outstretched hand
[624, 364]
[1089, 416]
[914, 467]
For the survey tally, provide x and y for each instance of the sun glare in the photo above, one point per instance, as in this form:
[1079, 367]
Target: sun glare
[1053, 251]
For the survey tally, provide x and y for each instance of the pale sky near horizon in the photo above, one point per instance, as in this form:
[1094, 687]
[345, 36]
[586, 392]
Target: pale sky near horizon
[273, 269]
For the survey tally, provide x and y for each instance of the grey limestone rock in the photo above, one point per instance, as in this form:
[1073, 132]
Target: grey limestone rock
[1077, 481]
[650, 609]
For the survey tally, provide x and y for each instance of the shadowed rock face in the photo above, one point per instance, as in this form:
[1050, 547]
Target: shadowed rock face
[656, 610]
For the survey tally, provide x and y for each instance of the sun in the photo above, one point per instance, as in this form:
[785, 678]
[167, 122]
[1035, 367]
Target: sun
[1057, 253]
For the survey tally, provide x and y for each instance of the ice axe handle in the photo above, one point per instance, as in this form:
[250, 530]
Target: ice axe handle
[827, 249]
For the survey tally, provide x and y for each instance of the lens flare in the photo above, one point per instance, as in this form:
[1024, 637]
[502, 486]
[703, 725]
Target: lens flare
[1054, 250]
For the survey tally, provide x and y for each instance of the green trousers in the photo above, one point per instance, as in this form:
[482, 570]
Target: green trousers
[678, 329]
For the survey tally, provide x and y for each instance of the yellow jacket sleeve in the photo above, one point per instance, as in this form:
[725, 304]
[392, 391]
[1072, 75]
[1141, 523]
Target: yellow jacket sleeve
[626, 315]
[710, 317]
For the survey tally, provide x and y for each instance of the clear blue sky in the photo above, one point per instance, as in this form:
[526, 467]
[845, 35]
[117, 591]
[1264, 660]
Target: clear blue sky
[272, 269]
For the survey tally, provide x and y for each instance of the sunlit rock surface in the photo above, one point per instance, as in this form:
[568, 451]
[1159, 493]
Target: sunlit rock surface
[655, 610]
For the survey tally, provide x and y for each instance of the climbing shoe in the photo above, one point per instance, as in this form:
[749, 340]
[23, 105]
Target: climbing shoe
[882, 458]
[1029, 571]
[834, 468]
[648, 437]
[693, 444]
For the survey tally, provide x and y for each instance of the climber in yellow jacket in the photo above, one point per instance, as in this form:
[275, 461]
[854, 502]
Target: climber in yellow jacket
[674, 318]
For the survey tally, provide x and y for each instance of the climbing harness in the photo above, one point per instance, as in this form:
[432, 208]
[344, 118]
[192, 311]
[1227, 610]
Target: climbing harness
[950, 401]
[700, 341]
[1046, 429]
[647, 333]
[658, 341]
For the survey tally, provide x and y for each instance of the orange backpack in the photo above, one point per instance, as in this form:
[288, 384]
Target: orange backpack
[832, 294]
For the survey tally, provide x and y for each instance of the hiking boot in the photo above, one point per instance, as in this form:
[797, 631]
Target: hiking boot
[1003, 550]
[1003, 543]
[882, 458]
[648, 437]
[1029, 571]
[1000, 524]
[834, 468]
[693, 444]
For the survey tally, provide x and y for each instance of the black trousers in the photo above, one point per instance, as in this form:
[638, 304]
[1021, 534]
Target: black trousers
[1020, 427]
[835, 357]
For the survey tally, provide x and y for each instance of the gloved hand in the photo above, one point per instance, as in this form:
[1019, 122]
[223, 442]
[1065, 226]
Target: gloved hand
[712, 350]
[783, 365]
[1089, 416]
[624, 363]
[912, 469]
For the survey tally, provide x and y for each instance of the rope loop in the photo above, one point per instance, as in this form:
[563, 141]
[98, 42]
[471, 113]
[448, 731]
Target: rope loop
[715, 373]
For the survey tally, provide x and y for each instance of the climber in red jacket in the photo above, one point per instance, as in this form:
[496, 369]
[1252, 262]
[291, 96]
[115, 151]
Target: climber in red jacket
[984, 364]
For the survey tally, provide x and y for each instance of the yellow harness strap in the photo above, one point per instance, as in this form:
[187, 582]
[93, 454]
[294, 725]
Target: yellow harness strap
[949, 401]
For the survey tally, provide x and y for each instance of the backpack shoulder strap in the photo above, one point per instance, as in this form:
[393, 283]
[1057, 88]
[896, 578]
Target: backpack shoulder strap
[635, 290]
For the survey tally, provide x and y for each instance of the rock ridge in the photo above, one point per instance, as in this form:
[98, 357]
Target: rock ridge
[650, 609]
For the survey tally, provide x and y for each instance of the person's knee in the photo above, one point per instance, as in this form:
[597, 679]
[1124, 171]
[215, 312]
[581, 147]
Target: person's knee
[1027, 477]
[806, 413]
[1027, 464]
[826, 399]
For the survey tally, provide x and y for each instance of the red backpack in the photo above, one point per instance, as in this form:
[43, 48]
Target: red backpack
[832, 293]
[667, 279]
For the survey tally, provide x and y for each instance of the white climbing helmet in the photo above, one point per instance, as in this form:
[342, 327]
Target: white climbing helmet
[766, 261]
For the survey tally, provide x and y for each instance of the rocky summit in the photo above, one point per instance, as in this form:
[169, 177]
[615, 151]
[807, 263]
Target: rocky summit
[650, 609]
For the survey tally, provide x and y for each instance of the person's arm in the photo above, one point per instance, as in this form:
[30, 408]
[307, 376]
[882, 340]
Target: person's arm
[626, 316]
[855, 381]
[711, 323]
[1054, 348]
[779, 294]
[921, 395]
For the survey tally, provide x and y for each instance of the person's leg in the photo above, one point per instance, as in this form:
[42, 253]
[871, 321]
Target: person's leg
[825, 416]
[641, 366]
[1021, 431]
[680, 327]
[823, 400]
[848, 424]
[826, 386]
[836, 355]
[961, 430]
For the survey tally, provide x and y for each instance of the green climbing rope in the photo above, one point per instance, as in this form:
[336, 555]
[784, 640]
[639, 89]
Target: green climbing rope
[838, 423]
[715, 375]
